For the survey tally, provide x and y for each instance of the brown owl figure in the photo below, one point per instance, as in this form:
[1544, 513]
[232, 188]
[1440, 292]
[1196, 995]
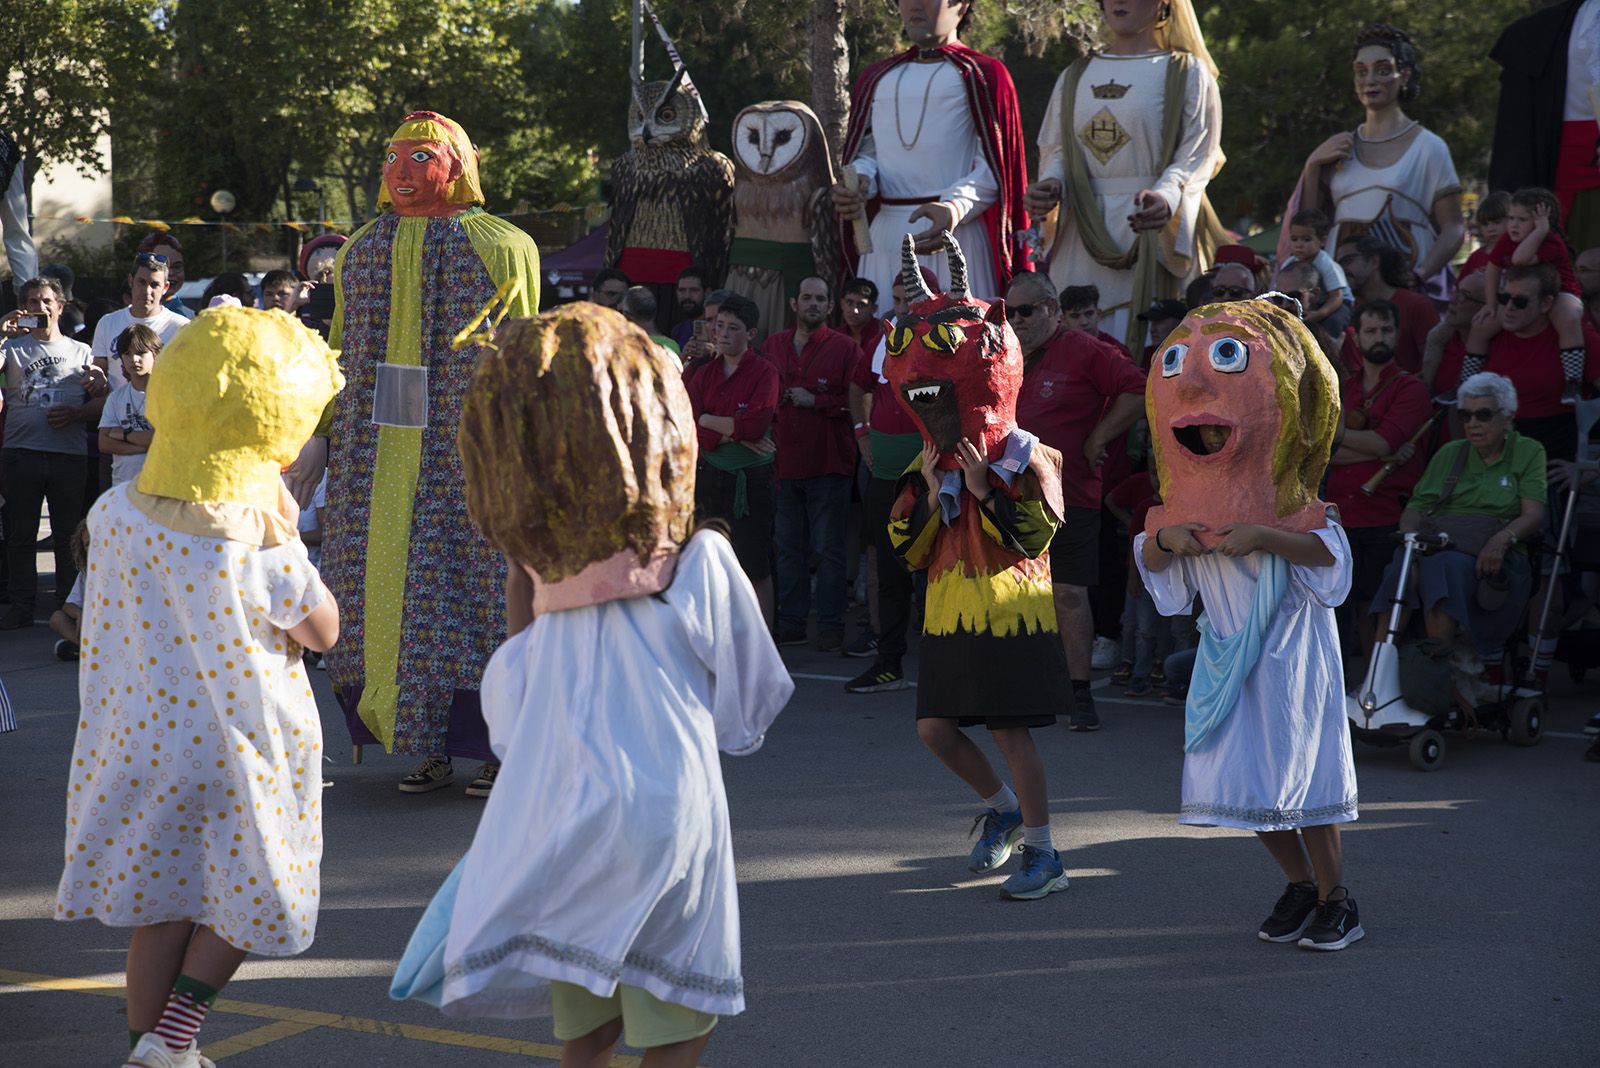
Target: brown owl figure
[786, 228]
[671, 195]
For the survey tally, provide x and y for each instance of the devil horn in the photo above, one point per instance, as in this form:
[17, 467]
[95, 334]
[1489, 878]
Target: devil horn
[911, 273]
[958, 265]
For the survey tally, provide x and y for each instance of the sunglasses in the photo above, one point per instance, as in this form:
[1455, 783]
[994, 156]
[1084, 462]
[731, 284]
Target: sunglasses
[1518, 302]
[1027, 311]
[1478, 415]
[1230, 292]
[145, 259]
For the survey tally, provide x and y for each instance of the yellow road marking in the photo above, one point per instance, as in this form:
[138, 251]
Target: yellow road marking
[291, 1021]
[259, 1036]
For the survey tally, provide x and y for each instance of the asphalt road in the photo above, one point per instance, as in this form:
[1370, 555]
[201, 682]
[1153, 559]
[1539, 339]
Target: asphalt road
[866, 942]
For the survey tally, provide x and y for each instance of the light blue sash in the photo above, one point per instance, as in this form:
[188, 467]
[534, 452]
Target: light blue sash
[1222, 665]
[420, 975]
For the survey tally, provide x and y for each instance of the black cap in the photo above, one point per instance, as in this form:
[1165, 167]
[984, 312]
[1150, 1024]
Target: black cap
[1165, 309]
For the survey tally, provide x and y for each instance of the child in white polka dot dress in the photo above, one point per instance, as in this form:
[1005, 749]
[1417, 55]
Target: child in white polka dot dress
[194, 808]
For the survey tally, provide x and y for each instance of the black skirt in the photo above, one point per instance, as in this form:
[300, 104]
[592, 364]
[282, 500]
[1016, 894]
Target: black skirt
[994, 682]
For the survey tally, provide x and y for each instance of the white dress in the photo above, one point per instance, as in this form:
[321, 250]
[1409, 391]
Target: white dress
[604, 854]
[1120, 137]
[196, 784]
[944, 162]
[1401, 195]
[1282, 758]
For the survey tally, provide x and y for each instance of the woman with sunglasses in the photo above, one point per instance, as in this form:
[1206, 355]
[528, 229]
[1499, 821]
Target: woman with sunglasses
[1494, 473]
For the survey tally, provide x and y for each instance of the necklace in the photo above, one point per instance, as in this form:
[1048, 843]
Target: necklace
[1407, 128]
[922, 116]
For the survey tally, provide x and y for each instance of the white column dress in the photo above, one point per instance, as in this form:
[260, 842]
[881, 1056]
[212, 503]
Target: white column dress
[1120, 136]
[604, 855]
[1282, 758]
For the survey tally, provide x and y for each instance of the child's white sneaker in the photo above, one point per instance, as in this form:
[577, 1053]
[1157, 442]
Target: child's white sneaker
[152, 1052]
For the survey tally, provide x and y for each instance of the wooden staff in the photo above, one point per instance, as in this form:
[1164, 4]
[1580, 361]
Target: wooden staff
[860, 226]
[1371, 485]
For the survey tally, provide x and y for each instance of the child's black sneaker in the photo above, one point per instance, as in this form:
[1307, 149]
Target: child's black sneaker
[1291, 914]
[1334, 925]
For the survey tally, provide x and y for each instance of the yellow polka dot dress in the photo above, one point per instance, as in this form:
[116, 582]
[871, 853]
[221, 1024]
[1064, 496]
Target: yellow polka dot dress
[196, 789]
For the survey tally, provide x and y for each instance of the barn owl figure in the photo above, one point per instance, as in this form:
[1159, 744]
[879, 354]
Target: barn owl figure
[671, 195]
[786, 228]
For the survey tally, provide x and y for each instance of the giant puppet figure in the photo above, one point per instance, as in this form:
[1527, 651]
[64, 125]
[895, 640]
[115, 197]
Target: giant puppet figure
[671, 194]
[935, 134]
[1547, 128]
[786, 230]
[1243, 408]
[1130, 138]
[420, 590]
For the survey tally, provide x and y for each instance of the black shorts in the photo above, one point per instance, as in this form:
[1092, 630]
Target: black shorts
[981, 680]
[1075, 550]
[714, 491]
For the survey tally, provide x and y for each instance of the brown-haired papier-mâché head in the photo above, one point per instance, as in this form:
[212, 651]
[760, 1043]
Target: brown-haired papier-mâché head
[578, 443]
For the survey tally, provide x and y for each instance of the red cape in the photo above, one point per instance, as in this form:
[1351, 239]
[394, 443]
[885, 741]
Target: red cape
[992, 102]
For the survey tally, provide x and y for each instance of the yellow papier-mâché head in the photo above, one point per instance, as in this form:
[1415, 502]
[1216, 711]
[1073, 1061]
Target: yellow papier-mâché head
[578, 445]
[233, 398]
[1243, 408]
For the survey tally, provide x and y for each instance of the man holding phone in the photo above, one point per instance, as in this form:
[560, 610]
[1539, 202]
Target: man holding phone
[51, 390]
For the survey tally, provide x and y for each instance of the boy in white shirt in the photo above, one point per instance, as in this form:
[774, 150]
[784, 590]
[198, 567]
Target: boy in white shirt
[124, 432]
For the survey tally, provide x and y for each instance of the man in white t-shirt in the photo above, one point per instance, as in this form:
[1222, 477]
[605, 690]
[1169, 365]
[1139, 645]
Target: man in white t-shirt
[51, 391]
[148, 282]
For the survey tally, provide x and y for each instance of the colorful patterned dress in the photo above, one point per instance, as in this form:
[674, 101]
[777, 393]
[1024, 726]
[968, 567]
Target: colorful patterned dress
[421, 593]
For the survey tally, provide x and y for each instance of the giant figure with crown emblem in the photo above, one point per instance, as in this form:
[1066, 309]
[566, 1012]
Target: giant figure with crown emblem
[1131, 137]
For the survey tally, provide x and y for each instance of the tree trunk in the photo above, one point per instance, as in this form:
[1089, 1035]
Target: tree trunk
[830, 72]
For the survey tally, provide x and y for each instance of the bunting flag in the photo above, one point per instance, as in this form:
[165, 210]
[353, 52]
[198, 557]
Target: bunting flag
[590, 211]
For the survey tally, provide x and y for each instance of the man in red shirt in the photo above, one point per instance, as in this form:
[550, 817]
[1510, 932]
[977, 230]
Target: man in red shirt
[1522, 345]
[816, 460]
[735, 397]
[1363, 261]
[1078, 395]
[1447, 343]
[889, 441]
[1383, 407]
[858, 314]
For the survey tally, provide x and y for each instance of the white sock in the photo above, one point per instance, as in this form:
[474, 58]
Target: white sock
[1038, 837]
[1004, 800]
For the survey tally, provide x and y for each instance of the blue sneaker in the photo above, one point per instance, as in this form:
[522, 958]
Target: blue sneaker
[1041, 873]
[1001, 832]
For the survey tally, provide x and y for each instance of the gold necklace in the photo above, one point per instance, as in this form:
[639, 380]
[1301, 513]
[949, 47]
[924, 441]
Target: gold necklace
[922, 116]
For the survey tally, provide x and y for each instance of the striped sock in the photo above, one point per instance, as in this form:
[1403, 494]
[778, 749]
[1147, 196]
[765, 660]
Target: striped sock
[185, 1012]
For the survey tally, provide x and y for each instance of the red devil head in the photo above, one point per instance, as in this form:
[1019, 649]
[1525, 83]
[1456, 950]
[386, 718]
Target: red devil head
[954, 361]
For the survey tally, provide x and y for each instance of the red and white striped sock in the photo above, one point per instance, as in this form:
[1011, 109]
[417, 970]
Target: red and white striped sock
[181, 1020]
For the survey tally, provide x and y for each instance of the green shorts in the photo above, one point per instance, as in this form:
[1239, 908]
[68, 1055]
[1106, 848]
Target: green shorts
[647, 1021]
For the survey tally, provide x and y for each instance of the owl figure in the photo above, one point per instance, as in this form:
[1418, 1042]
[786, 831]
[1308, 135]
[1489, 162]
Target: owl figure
[786, 230]
[671, 195]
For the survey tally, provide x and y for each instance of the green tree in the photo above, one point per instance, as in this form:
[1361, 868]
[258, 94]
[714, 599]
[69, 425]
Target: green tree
[64, 59]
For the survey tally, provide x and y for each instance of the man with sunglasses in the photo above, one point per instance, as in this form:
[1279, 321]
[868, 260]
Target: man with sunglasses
[1078, 395]
[1521, 344]
[148, 284]
[1375, 272]
[1232, 281]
